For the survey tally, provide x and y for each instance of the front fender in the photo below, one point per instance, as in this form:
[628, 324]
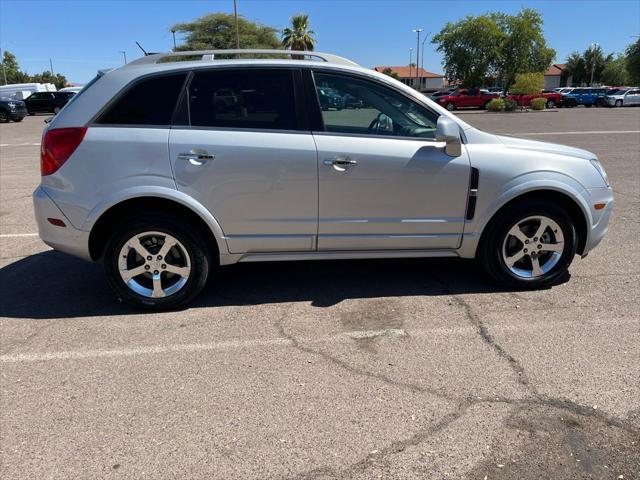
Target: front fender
[516, 187]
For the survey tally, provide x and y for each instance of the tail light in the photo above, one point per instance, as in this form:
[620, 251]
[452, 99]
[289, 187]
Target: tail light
[57, 146]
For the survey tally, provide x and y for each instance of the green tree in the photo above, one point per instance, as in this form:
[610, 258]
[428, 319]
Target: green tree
[523, 48]
[59, 80]
[494, 45]
[632, 54]
[470, 48]
[594, 61]
[299, 36]
[391, 73]
[576, 67]
[528, 83]
[12, 69]
[615, 71]
[218, 31]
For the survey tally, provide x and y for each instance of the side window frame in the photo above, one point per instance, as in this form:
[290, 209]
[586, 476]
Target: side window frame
[313, 105]
[182, 114]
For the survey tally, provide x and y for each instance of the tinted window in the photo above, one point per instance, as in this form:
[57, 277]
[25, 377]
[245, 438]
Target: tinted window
[376, 110]
[261, 99]
[148, 102]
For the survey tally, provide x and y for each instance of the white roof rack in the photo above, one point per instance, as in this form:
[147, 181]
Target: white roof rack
[209, 55]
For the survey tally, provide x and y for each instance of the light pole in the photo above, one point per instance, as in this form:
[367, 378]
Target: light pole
[235, 14]
[173, 32]
[593, 61]
[410, 59]
[124, 54]
[426, 37]
[418, 30]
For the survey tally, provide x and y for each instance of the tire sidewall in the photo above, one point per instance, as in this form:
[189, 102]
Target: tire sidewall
[188, 237]
[491, 250]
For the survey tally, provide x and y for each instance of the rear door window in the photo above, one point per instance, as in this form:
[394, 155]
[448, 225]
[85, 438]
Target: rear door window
[245, 98]
[150, 101]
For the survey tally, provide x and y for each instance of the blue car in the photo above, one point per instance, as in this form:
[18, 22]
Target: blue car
[584, 96]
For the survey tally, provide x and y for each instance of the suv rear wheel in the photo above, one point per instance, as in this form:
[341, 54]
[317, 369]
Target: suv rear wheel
[450, 106]
[155, 262]
[530, 246]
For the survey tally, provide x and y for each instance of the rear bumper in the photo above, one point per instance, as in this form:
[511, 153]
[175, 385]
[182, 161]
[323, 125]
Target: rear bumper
[64, 239]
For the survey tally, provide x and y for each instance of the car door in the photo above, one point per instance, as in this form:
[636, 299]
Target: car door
[35, 101]
[632, 98]
[463, 98]
[384, 183]
[243, 151]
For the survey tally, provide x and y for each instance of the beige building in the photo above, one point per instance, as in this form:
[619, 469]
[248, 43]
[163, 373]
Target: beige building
[419, 79]
[556, 77]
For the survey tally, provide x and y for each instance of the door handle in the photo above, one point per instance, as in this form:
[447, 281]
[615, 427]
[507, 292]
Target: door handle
[196, 157]
[340, 163]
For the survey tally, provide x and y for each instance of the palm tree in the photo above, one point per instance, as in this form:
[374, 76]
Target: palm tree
[299, 36]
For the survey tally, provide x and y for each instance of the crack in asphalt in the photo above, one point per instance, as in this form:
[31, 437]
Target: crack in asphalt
[463, 405]
[356, 370]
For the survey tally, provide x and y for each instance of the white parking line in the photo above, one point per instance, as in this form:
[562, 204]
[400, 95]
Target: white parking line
[20, 144]
[200, 347]
[18, 235]
[593, 132]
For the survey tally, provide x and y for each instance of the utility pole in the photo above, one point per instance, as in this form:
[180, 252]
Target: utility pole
[235, 14]
[410, 59]
[4, 71]
[593, 62]
[51, 65]
[173, 31]
[418, 30]
[124, 54]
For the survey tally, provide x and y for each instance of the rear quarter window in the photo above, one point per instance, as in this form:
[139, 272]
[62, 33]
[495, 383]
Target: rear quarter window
[150, 101]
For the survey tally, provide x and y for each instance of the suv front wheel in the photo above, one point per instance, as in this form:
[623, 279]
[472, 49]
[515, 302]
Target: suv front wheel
[156, 263]
[530, 246]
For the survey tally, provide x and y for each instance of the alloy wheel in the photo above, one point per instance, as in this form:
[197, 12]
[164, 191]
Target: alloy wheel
[533, 246]
[154, 264]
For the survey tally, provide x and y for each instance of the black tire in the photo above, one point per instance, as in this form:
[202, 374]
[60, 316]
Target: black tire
[570, 103]
[618, 103]
[4, 116]
[188, 236]
[32, 113]
[450, 106]
[588, 105]
[490, 249]
[18, 119]
[550, 104]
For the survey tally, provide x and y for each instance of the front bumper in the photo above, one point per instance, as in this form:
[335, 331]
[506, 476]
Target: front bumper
[64, 239]
[18, 113]
[599, 219]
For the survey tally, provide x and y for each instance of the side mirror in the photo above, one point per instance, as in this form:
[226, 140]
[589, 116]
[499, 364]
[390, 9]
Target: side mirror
[448, 131]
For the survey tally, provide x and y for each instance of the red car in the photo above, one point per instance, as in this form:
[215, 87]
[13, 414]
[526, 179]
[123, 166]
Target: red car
[554, 99]
[467, 98]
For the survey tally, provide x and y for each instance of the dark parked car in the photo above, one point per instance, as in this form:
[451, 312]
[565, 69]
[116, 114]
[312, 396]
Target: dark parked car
[47, 102]
[12, 110]
[330, 98]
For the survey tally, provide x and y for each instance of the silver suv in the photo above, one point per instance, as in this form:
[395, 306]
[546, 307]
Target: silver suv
[180, 162]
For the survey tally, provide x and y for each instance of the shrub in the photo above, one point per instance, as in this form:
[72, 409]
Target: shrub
[496, 105]
[538, 103]
[510, 105]
[528, 83]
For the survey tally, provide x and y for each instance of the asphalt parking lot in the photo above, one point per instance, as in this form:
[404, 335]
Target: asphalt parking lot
[399, 369]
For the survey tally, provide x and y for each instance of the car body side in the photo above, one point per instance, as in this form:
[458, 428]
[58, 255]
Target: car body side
[103, 174]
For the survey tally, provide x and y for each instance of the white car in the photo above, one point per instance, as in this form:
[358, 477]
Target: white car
[624, 98]
[144, 170]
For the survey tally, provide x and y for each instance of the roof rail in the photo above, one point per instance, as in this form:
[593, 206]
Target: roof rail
[209, 55]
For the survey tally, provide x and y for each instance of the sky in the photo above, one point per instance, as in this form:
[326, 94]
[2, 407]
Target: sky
[83, 36]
